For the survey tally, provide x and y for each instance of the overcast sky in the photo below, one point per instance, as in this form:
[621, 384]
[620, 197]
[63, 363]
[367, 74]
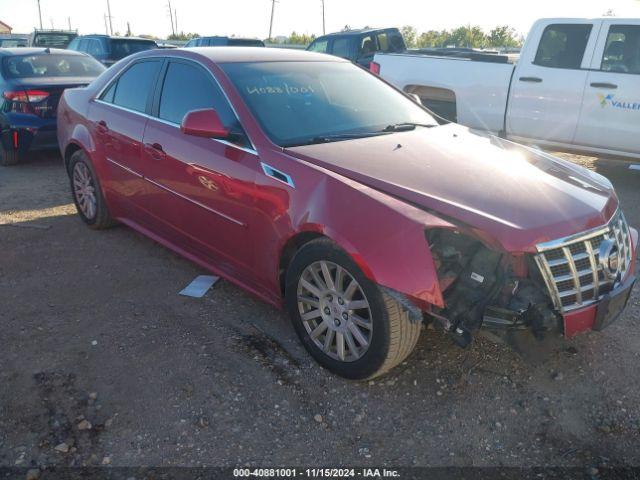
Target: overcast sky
[251, 17]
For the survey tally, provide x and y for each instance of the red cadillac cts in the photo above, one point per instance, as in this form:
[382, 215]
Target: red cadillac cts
[318, 187]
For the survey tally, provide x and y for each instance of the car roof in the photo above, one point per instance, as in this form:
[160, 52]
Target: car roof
[361, 31]
[253, 54]
[8, 52]
[222, 37]
[114, 37]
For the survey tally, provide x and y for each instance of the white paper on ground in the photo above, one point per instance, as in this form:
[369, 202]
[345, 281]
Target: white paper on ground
[199, 286]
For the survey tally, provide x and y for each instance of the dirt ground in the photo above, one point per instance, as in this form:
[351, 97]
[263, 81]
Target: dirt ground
[92, 328]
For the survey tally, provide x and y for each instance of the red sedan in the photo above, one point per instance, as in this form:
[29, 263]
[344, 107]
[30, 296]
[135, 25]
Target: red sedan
[320, 188]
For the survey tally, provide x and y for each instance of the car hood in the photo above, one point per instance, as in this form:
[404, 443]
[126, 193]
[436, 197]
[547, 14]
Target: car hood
[515, 195]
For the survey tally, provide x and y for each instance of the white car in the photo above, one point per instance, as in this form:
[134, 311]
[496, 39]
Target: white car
[575, 86]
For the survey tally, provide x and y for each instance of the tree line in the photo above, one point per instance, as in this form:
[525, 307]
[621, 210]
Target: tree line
[465, 36]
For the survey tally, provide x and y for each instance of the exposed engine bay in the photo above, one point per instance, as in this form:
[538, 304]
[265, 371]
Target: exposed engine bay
[487, 289]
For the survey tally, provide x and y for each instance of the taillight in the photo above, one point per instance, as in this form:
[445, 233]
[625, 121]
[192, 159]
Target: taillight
[374, 67]
[26, 96]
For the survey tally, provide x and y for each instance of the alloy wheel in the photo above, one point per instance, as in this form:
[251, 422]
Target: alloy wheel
[335, 311]
[84, 190]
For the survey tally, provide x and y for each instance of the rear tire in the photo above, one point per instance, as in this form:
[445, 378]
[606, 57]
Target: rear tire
[9, 157]
[387, 333]
[87, 194]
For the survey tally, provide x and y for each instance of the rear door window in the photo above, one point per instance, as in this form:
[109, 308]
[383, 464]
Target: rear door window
[188, 87]
[622, 50]
[94, 47]
[341, 48]
[563, 46]
[133, 87]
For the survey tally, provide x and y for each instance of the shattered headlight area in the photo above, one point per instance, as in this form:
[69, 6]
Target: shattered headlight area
[485, 288]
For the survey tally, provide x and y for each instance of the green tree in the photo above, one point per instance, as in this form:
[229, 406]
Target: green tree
[300, 38]
[504, 36]
[470, 37]
[409, 34]
[432, 38]
[182, 36]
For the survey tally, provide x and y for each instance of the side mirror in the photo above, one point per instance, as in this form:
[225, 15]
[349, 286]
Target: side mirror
[416, 98]
[203, 123]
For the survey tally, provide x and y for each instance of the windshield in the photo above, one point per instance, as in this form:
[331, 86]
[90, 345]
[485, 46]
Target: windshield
[53, 40]
[306, 102]
[48, 65]
[124, 48]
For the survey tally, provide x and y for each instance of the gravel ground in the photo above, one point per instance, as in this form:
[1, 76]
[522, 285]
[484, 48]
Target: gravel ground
[103, 363]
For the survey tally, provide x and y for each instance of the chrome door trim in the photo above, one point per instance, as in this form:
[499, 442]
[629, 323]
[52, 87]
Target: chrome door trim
[195, 202]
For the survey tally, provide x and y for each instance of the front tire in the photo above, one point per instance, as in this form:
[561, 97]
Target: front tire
[87, 195]
[344, 320]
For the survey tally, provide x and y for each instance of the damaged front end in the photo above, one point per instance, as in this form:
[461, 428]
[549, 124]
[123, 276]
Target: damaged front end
[486, 288]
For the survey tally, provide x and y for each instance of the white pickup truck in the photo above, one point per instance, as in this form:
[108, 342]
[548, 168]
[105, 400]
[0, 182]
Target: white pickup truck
[575, 86]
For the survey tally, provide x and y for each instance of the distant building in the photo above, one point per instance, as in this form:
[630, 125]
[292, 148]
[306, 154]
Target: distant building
[4, 28]
[280, 39]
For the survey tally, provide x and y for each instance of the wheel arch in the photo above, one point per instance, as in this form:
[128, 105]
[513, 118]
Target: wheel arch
[80, 139]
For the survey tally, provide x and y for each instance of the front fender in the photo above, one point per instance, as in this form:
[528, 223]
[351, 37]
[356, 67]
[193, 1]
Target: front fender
[385, 236]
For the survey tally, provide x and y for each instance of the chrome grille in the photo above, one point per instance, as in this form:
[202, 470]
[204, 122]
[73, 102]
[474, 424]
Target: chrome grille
[571, 266]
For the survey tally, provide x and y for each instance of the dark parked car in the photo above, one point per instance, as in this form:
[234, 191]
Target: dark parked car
[360, 46]
[320, 188]
[31, 83]
[108, 50]
[224, 42]
[51, 38]
[13, 41]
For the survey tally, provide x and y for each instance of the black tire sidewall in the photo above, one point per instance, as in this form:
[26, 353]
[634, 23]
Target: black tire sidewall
[81, 157]
[378, 350]
[9, 158]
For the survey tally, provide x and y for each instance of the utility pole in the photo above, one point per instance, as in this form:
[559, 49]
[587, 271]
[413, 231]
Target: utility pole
[273, 8]
[324, 30]
[69, 21]
[175, 19]
[173, 29]
[40, 14]
[109, 14]
[106, 28]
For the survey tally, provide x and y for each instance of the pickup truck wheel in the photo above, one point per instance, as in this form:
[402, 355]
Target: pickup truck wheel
[344, 320]
[9, 157]
[87, 196]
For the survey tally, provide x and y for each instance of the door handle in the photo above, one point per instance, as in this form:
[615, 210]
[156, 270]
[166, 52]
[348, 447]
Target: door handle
[155, 151]
[610, 86]
[102, 127]
[531, 79]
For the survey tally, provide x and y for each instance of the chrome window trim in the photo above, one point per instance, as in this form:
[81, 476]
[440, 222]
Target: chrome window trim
[96, 98]
[175, 125]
